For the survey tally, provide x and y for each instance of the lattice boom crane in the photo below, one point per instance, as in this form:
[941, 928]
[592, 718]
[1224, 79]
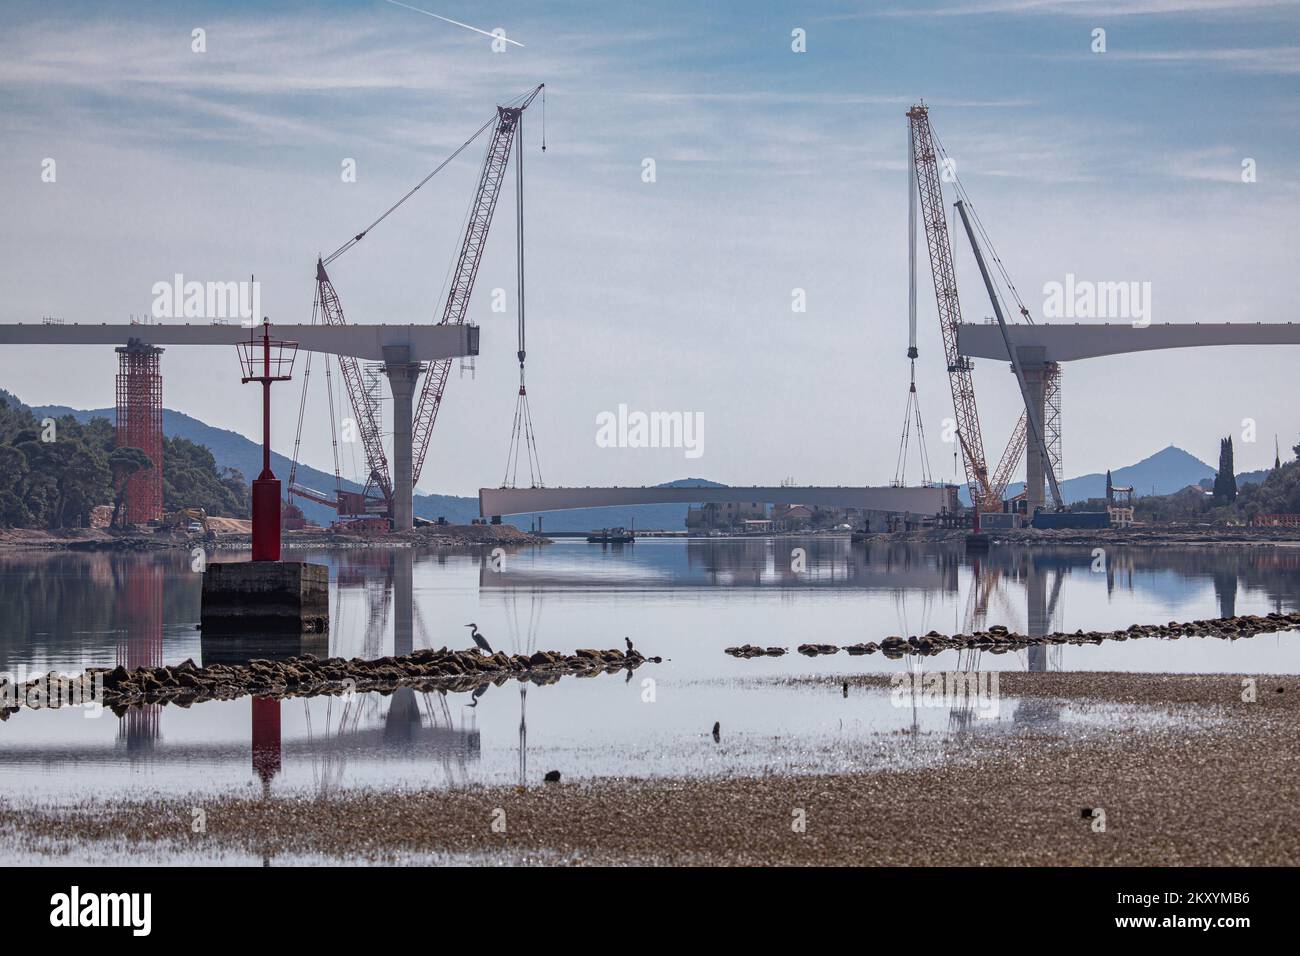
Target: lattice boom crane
[509, 125]
[986, 490]
[368, 424]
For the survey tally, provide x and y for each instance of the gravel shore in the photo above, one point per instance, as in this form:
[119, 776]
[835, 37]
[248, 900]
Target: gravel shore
[1216, 783]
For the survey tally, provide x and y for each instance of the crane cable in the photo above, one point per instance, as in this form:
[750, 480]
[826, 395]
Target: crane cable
[437, 169]
[522, 430]
[912, 413]
[979, 227]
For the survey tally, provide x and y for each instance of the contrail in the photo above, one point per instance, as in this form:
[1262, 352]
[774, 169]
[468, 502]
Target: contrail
[501, 36]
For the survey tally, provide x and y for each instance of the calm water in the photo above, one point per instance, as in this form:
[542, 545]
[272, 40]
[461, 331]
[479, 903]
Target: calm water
[683, 599]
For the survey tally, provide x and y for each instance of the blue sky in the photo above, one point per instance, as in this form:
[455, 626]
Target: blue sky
[775, 171]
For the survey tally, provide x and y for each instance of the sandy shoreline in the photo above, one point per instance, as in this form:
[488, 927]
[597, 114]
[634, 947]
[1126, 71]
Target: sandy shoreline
[1215, 785]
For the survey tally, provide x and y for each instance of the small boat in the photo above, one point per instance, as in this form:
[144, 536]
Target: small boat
[611, 536]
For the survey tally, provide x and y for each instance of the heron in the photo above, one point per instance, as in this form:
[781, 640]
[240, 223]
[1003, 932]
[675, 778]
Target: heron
[479, 639]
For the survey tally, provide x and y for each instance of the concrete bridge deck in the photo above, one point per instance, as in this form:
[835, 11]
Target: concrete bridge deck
[423, 343]
[513, 501]
[1068, 343]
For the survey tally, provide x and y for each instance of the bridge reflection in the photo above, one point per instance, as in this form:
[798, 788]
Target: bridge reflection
[412, 722]
[138, 610]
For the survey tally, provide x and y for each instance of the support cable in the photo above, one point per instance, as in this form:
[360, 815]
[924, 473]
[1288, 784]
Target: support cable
[521, 433]
[987, 240]
[437, 169]
[912, 413]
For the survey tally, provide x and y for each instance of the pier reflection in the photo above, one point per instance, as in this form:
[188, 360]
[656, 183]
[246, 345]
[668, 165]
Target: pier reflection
[403, 724]
[140, 644]
[686, 597]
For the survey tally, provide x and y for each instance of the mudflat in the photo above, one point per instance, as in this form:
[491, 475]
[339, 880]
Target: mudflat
[1213, 782]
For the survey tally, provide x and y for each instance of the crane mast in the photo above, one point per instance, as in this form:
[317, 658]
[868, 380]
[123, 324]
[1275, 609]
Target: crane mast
[368, 420]
[363, 411]
[986, 491]
[960, 380]
[466, 271]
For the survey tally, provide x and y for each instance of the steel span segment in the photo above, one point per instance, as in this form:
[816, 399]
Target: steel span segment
[511, 501]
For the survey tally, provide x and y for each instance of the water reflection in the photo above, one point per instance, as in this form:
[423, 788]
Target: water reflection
[684, 599]
[140, 644]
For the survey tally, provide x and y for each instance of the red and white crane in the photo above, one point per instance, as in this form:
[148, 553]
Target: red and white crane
[986, 490]
[377, 497]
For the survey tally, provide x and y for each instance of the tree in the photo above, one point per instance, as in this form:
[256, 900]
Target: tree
[1110, 489]
[1225, 482]
[56, 484]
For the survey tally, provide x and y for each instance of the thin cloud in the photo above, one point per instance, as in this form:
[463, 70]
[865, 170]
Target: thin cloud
[1083, 8]
[1283, 60]
[487, 33]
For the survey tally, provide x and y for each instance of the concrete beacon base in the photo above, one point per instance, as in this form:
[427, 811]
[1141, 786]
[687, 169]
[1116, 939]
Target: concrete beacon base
[265, 597]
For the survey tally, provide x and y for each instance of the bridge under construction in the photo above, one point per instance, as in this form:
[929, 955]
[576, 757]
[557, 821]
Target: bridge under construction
[416, 360]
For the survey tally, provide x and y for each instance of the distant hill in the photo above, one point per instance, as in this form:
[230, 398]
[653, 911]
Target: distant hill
[1163, 473]
[233, 450]
[668, 517]
[1244, 478]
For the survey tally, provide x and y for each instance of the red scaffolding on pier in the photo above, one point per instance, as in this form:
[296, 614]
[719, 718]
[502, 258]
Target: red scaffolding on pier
[139, 425]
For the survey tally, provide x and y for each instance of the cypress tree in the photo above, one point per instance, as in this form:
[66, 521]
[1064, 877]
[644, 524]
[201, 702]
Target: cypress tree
[1225, 482]
[1110, 489]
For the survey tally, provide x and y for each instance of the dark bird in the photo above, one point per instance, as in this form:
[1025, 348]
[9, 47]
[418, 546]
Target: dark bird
[479, 639]
[717, 731]
[846, 690]
[552, 776]
[629, 644]
[479, 691]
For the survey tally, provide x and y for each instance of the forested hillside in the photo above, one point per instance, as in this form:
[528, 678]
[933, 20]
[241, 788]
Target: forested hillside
[55, 471]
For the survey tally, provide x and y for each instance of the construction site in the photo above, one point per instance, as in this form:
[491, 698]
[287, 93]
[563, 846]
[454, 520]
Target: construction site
[416, 363]
[603, 471]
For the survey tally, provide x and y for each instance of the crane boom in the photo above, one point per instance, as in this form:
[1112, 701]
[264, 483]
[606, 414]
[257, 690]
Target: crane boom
[1011, 457]
[960, 380]
[363, 412]
[1033, 416]
[466, 271]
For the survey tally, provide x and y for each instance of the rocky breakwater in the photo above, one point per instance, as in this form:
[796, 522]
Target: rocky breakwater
[308, 676]
[998, 639]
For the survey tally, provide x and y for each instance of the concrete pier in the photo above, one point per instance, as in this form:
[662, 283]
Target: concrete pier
[403, 375]
[253, 599]
[1033, 362]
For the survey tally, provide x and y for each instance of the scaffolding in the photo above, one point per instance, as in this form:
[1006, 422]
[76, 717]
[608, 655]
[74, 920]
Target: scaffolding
[1052, 417]
[139, 425]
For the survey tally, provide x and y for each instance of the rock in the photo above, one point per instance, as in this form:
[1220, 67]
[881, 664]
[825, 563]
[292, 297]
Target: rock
[813, 650]
[552, 776]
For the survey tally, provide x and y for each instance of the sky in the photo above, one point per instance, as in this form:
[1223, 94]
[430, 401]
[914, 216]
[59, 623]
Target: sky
[774, 171]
